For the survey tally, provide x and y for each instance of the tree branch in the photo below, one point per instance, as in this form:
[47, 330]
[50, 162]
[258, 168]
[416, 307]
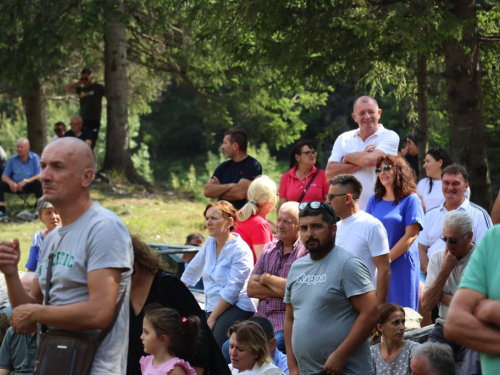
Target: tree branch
[489, 38]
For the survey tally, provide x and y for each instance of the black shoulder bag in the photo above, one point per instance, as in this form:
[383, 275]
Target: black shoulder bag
[307, 187]
[64, 352]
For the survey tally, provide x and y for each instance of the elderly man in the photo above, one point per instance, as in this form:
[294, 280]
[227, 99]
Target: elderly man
[268, 280]
[359, 232]
[331, 304]
[455, 180]
[92, 261]
[432, 359]
[445, 271]
[232, 178]
[356, 151]
[78, 131]
[21, 174]
[473, 318]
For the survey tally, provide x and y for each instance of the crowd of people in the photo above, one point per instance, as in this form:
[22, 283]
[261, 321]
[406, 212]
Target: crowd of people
[355, 247]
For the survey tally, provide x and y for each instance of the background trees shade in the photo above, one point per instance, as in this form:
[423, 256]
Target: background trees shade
[280, 70]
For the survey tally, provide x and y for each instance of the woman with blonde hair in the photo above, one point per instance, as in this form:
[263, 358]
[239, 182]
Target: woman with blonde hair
[252, 225]
[249, 350]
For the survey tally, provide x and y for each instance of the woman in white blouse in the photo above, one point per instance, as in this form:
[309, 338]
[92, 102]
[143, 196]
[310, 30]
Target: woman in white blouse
[225, 262]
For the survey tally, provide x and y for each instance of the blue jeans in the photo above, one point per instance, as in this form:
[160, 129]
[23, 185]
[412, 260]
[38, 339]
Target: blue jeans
[280, 344]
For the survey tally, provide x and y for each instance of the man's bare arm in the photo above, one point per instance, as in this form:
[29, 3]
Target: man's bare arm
[95, 313]
[293, 366]
[334, 168]
[366, 306]
[383, 276]
[424, 260]
[238, 191]
[257, 290]
[70, 87]
[214, 189]
[463, 327]
[364, 158]
[433, 294]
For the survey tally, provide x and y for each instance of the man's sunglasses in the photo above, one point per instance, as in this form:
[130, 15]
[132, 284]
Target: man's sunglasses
[385, 169]
[452, 241]
[57, 130]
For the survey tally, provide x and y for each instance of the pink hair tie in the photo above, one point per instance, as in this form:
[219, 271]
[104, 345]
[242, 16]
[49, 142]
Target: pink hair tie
[184, 320]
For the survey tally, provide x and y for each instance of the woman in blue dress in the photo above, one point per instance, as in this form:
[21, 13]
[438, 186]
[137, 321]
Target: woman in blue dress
[399, 208]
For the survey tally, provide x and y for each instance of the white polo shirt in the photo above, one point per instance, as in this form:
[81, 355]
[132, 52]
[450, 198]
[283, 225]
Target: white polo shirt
[350, 142]
[364, 236]
[435, 197]
[433, 225]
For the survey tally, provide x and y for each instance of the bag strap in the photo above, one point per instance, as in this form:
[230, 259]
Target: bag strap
[48, 284]
[307, 187]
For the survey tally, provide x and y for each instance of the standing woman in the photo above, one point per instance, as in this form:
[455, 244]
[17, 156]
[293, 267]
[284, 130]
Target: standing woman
[252, 224]
[225, 263]
[303, 182]
[399, 208]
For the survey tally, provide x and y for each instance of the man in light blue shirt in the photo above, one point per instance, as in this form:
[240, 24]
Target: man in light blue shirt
[21, 174]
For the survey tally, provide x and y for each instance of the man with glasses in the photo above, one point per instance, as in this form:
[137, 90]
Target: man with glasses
[60, 130]
[455, 181]
[356, 151]
[445, 271]
[331, 303]
[90, 94]
[359, 232]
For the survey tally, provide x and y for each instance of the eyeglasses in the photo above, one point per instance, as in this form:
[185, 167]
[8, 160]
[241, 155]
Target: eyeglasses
[385, 169]
[57, 130]
[452, 241]
[331, 196]
[309, 153]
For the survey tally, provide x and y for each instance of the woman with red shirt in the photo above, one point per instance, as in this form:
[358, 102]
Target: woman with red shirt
[296, 183]
[252, 225]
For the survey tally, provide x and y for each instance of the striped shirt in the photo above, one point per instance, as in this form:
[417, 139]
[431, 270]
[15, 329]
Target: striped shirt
[273, 261]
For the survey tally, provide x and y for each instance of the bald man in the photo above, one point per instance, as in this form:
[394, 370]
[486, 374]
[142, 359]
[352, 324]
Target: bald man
[21, 174]
[92, 260]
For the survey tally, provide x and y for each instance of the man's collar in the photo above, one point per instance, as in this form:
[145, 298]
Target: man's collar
[380, 130]
[463, 207]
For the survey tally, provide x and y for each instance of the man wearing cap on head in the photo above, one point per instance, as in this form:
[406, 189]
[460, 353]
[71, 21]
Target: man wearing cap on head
[356, 151]
[90, 94]
[332, 305]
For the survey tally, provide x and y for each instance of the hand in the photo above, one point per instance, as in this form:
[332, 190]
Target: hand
[263, 278]
[449, 262]
[13, 187]
[20, 185]
[370, 147]
[9, 257]
[23, 320]
[404, 151]
[334, 364]
[486, 309]
[213, 180]
[211, 322]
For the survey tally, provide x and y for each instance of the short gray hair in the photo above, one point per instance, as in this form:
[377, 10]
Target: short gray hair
[459, 219]
[439, 357]
[292, 207]
[42, 205]
[24, 140]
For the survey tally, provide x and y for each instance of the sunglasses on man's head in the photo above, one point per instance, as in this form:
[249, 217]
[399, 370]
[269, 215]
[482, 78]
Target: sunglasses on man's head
[385, 169]
[317, 204]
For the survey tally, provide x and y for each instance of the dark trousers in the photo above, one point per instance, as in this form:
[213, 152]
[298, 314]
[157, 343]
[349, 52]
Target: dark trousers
[226, 320]
[34, 187]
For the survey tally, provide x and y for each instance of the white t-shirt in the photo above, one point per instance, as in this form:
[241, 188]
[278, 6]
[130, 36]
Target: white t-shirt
[364, 236]
[435, 197]
[433, 225]
[349, 142]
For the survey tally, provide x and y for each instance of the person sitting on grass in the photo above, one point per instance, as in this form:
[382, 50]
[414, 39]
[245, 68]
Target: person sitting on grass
[48, 216]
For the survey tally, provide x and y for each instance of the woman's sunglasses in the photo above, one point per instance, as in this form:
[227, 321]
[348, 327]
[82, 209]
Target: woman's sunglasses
[385, 169]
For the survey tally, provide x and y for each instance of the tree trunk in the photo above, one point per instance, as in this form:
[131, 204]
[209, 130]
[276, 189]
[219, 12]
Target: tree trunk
[423, 116]
[465, 104]
[117, 134]
[35, 108]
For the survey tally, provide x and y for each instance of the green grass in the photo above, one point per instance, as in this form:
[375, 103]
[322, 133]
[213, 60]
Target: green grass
[155, 217]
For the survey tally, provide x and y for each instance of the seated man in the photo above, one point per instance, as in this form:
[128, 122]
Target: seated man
[78, 131]
[21, 175]
[194, 239]
[445, 271]
[432, 359]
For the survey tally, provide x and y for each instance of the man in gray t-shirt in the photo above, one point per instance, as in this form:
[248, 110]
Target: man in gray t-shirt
[332, 306]
[92, 262]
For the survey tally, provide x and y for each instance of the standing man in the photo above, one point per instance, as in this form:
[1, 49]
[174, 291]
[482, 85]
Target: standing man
[268, 279]
[473, 318]
[92, 261]
[78, 131]
[90, 94]
[356, 151]
[455, 180]
[445, 271]
[359, 232]
[232, 178]
[332, 306]
[21, 174]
